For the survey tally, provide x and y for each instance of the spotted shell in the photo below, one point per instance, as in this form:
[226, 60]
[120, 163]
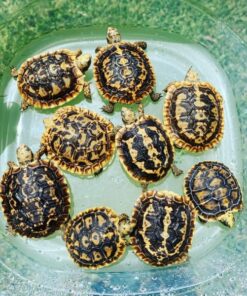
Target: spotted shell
[213, 189]
[35, 199]
[194, 116]
[50, 79]
[163, 226]
[145, 150]
[79, 140]
[93, 238]
[123, 73]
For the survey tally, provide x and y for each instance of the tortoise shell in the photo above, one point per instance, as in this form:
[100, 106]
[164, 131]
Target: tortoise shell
[145, 150]
[163, 226]
[79, 140]
[194, 115]
[123, 73]
[35, 199]
[213, 189]
[93, 238]
[50, 79]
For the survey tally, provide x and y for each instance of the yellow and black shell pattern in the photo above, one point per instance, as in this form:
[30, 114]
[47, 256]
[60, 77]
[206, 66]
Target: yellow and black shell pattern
[35, 199]
[93, 238]
[163, 226]
[123, 73]
[194, 117]
[145, 150]
[213, 189]
[79, 141]
[50, 79]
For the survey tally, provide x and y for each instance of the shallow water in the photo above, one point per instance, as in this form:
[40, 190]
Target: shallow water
[171, 59]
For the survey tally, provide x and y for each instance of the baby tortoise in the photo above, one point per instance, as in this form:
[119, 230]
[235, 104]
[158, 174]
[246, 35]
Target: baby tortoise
[123, 72]
[214, 191]
[193, 113]
[78, 140]
[51, 79]
[162, 228]
[96, 237]
[35, 196]
[144, 148]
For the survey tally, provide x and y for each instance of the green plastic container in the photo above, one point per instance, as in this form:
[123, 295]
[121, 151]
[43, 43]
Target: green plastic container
[179, 34]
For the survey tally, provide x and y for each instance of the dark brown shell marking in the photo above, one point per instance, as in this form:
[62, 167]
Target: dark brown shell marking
[163, 225]
[35, 199]
[194, 115]
[50, 79]
[80, 141]
[93, 239]
[213, 189]
[145, 150]
[123, 73]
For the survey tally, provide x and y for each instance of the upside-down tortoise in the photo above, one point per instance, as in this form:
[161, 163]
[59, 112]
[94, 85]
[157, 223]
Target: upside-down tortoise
[50, 79]
[123, 72]
[35, 196]
[214, 191]
[95, 238]
[193, 114]
[78, 140]
[162, 228]
[144, 148]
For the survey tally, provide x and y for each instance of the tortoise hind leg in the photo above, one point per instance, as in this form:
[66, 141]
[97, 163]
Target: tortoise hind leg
[98, 172]
[227, 219]
[202, 220]
[24, 106]
[141, 44]
[108, 108]
[155, 96]
[10, 230]
[175, 170]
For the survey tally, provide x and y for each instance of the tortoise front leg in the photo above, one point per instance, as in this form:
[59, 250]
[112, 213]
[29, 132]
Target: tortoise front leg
[42, 150]
[98, 48]
[108, 108]
[144, 187]
[14, 72]
[141, 44]
[87, 91]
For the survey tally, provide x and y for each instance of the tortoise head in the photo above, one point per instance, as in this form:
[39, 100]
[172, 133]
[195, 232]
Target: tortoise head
[48, 122]
[113, 36]
[124, 225]
[83, 60]
[24, 154]
[128, 116]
